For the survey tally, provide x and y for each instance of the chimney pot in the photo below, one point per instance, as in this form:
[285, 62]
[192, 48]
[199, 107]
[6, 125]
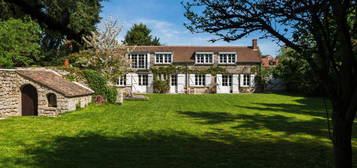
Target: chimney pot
[255, 44]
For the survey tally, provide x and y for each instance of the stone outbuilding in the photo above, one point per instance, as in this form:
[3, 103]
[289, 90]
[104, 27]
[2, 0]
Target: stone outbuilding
[39, 92]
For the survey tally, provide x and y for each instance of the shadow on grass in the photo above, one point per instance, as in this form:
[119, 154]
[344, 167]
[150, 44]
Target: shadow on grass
[279, 123]
[313, 106]
[163, 149]
[316, 110]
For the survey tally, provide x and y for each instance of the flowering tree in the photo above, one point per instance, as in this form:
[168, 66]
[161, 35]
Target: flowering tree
[105, 54]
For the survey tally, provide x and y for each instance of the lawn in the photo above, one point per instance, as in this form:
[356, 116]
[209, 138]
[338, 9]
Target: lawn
[175, 131]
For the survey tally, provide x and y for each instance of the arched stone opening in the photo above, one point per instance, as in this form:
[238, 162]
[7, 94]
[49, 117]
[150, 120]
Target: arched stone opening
[29, 100]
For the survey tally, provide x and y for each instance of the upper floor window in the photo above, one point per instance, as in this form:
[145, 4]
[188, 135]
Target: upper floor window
[138, 61]
[200, 80]
[204, 58]
[143, 79]
[246, 80]
[227, 58]
[122, 81]
[163, 58]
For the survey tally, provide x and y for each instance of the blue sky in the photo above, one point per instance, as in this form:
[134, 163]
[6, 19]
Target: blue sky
[165, 19]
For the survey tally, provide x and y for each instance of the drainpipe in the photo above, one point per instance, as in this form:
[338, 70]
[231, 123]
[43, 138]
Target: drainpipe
[187, 78]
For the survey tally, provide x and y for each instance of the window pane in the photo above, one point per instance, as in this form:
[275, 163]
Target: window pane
[224, 80]
[169, 58]
[173, 80]
[122, 80]
[230, 78]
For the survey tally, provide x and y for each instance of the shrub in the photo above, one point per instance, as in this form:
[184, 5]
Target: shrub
[99, 99]
[19, 43]
[161, 86]
[98, 84]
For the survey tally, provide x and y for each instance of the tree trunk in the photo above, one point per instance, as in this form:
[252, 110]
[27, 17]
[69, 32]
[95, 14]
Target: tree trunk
[342, 146]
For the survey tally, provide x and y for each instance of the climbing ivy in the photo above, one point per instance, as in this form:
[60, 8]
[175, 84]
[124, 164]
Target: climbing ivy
[163, 86]
[168, 70]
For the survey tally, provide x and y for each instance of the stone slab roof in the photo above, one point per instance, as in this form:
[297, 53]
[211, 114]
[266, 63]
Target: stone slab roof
[55, 82]
[186, 53]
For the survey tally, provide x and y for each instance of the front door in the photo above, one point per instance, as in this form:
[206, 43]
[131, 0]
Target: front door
[29, 100]
[173, 84]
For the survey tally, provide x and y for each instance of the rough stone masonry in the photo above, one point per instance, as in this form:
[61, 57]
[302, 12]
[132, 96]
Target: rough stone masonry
[55, 95]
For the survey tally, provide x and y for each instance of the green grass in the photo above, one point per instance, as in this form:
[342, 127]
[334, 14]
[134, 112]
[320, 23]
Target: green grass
[175, 131]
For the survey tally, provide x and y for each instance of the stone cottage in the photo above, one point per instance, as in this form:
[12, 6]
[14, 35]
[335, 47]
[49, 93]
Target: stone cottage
[241, 65]
[39, 92]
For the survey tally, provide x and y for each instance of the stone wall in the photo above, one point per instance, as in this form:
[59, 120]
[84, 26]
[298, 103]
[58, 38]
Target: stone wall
[10, 97]
[78, 102]
[9, 94]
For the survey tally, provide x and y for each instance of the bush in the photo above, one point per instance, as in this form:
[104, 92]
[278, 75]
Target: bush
[98, 84]
[297, 74]
[19, 44]
[161, 86]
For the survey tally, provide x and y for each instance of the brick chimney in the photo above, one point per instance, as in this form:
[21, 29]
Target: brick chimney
[255, 44]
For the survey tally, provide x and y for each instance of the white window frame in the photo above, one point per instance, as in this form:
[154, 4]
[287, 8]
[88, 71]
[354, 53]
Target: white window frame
[166, 57]
[205, 59]
[162, 77]
[246, 80]
[122, 81]
[143, 79]
[200, 80]
[227, 80]
[227, 54]
[139, 57]
[173, 80]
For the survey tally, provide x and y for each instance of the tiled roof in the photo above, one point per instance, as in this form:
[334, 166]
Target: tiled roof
[55, 82]
[186, 53]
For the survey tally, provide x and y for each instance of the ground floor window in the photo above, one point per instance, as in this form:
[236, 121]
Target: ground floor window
[162, 77]
[173, 80]
[246, 80]
[227, 80]
[200, 80]
[122, 81]
[143, 80]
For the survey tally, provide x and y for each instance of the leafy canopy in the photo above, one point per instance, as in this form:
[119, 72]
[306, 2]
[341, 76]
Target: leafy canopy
[296, 73]
[19, 43]
[59, 20]
[140, 35]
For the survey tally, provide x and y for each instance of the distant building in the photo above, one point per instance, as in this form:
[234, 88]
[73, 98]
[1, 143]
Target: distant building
[269, 61]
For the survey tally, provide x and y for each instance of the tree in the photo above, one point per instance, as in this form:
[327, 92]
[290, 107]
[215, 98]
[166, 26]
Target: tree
[105, 54]
[139, 35]
[296, 73]
[59, 20]
[317, 29]
[19, 43]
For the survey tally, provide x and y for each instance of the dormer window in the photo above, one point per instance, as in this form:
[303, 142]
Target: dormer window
[204, 58]
[163, 58]
[227, 58]
[139, 60]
